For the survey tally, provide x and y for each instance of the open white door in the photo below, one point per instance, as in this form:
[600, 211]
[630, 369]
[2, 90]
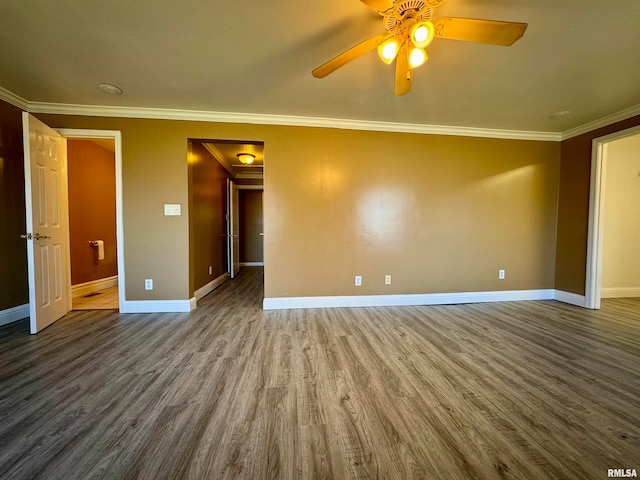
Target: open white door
[233, 229]
[45, 176]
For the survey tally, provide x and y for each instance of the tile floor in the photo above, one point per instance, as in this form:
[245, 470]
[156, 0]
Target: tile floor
[106, 299]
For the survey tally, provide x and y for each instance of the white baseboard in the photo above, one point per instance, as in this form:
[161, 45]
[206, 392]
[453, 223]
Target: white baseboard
[620, 292]
[210, 287]
[570, 298]
[14, 314]
[82, 289]
[252, 264]
[158, 306]
[405, 300]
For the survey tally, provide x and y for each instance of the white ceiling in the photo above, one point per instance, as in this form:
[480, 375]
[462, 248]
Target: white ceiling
[257, 56]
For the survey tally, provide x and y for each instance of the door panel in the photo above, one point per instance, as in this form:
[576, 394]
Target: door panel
[47, 223]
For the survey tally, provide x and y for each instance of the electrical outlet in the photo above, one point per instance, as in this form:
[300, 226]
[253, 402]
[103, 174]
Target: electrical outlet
[501, 274]
[148, 284]
[358, 281]
[210, 270]
[387, 279]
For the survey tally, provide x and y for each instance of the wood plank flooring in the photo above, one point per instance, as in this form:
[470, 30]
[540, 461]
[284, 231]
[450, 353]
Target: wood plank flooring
[529, 390]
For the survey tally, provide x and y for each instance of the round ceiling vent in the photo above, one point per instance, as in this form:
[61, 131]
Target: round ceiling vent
[110, 89]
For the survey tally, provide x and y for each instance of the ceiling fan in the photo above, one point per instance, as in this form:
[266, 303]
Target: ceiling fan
[409, 30]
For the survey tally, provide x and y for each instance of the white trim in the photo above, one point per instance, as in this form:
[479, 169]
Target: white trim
[14, 314]
[210, 287]
[158, 306]
[570, 298]
[29, 221]
[620, 292]
[285, 120]
[116, 136]
[13, 99]
[82, 289]
[252, 264]
[249, 176]
[292, 120]
[405, 300]
[602, 122]
[596, 209]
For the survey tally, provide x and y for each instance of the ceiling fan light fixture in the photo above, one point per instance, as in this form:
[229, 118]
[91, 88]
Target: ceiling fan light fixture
[422, 33]
[246, 158]
[388, 50]
[417, 56]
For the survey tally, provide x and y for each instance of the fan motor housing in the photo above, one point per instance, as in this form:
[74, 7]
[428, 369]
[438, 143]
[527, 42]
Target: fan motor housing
[419, 10]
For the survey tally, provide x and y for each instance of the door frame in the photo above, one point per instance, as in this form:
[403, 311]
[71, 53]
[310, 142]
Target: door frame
[116, 136]
[596, 214]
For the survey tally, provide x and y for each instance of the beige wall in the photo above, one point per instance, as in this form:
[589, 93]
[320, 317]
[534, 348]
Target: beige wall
[439, 213]
[621, 243]
[207, 210]
[573, 206]
[92, 210]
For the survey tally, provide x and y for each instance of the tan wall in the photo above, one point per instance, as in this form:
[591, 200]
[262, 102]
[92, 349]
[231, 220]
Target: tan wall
[439, 213]
[14, 289]
[251, 226]
[207, 210]
[621, 243]
[573, 207]
[92, 210]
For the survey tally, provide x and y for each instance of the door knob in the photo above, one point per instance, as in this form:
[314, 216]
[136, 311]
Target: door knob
[27, 236]
[37, 236]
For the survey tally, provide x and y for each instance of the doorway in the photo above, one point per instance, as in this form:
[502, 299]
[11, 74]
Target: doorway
[218, 174]
[251, 219]
[95, 219]
[92, 223]
[597, 210]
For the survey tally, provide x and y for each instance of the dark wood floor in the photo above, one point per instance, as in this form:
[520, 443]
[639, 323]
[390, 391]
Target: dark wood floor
[530, 390]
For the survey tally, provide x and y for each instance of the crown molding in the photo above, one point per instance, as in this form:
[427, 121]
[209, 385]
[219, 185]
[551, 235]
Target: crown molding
[250, 176]
[13, 99]
[211, 148]
[602, 122]
[300, 121]
[287, 120]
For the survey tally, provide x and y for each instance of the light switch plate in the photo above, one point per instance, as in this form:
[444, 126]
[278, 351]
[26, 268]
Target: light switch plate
[171, 209]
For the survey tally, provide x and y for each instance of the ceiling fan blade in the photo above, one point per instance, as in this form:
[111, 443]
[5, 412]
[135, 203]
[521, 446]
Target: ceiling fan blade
[351, 54]
[404, 74]
[480, 31]
[379, 6]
